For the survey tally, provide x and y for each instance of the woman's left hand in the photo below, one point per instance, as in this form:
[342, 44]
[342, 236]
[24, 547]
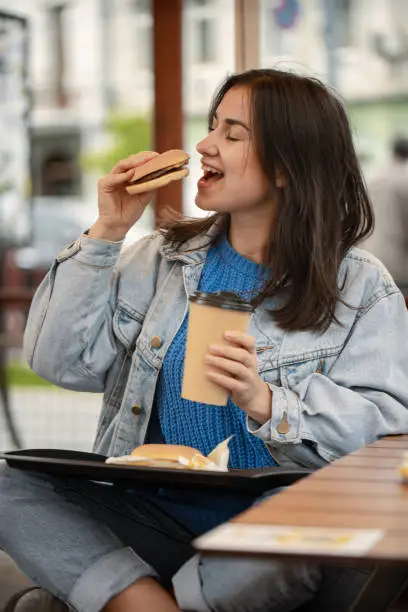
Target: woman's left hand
[234, 367]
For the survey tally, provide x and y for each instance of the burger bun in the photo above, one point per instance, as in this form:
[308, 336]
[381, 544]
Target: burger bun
[174, 456]
[159, 171]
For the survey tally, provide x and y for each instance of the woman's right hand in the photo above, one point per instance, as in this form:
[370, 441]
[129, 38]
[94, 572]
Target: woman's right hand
[118, 210]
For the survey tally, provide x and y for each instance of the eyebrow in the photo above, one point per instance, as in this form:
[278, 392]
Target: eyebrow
[230, 121]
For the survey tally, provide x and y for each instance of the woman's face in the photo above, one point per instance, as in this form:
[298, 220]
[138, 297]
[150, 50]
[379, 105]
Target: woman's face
[233, 180]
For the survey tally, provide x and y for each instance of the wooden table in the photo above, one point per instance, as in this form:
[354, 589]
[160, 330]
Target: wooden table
[363, 490]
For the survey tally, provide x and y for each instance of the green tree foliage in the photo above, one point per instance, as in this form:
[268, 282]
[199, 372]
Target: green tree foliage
[129, 134]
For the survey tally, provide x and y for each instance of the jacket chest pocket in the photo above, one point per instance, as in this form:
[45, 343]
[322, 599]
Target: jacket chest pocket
[127, 326]
[293, 372]
[267, 365]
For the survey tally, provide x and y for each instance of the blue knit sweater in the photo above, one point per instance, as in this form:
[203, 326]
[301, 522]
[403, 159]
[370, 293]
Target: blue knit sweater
[203, 426]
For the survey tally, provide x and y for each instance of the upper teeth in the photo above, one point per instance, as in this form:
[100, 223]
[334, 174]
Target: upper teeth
[209, 169]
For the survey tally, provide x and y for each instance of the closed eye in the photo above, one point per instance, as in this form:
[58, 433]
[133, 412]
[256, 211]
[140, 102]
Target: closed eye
[227, 136]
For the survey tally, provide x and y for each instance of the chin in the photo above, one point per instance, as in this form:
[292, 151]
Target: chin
[204, 203]
[210, 204]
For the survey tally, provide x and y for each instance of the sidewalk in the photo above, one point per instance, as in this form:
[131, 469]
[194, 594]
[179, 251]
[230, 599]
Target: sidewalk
[52, 418]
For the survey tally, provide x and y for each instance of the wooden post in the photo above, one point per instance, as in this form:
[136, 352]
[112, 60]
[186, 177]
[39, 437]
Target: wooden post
[168, 102]
[246, 34]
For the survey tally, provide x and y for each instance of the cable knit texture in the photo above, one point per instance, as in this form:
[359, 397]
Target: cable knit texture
[203, 426]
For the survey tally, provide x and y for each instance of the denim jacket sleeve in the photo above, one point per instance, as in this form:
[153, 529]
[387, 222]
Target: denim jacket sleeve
[363, 396]
[69, 337]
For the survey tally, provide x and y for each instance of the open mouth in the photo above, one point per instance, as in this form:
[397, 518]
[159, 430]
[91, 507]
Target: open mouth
[211, 175]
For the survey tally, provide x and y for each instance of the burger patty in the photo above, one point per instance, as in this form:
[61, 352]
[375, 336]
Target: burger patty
[157, 173]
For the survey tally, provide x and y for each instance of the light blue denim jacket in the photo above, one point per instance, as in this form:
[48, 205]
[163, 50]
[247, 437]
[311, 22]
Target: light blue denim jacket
[94, 316]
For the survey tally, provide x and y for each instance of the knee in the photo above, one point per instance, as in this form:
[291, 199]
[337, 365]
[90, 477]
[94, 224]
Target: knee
[250, 585]
[228, 583]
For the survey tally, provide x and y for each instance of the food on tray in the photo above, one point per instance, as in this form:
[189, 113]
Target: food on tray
[176, 456]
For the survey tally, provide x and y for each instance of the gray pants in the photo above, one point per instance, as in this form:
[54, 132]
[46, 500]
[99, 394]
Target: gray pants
[86, 542]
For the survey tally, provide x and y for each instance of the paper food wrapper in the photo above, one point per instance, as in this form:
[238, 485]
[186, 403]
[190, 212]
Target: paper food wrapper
[216, 461]
[404, 468]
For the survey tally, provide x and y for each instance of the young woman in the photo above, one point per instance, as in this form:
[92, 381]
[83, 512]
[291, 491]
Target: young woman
[321, 371]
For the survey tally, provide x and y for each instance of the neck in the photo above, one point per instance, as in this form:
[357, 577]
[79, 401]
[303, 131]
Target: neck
[249, 236]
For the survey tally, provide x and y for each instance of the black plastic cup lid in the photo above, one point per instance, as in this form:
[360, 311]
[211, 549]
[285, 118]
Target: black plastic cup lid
[221, 299]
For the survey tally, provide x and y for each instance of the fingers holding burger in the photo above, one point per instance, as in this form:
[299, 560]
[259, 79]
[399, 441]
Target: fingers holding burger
[124, 193]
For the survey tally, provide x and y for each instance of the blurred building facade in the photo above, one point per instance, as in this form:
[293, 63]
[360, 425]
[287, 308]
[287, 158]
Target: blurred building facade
[87, 57]
[361, 46]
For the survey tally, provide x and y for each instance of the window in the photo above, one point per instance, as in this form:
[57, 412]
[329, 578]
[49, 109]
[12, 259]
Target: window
[205, 49]
[344, 34]
[55, 166]
[56, 32]
[142, 6]
[201, 18]
[59, 174]
[143, 34]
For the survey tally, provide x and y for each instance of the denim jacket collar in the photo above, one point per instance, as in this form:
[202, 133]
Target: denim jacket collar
[194, 251]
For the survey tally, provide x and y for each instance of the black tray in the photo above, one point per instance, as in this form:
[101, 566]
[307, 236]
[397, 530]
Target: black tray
[92, 466]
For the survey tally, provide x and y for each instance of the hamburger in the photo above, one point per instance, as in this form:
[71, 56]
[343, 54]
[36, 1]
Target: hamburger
[175, 456]
[159, 171]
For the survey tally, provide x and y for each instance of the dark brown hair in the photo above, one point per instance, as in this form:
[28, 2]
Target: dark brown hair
[301, 130]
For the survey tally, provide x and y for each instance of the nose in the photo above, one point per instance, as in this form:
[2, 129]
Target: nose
[208, 145]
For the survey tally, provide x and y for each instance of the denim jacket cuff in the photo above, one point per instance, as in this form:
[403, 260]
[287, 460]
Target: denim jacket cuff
[285, 416]
[92, 251]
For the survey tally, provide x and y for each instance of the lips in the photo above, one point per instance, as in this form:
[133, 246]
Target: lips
[211, 175]
[209, 180]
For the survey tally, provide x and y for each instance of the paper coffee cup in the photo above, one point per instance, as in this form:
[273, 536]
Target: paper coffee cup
[211, 315]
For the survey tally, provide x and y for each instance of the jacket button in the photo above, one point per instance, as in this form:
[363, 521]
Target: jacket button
[156, 342]
[283, 427]
[136, 409]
